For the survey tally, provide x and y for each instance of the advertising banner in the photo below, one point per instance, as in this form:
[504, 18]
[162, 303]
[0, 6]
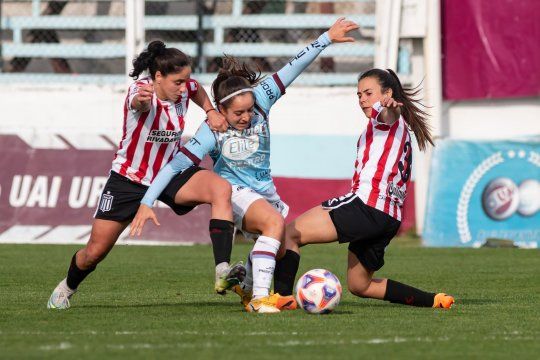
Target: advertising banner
[50, 186]
[50, 196]
[490, 49]
[484, 190]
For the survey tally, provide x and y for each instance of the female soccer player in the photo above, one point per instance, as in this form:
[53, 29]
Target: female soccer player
[154, 112]
[242, 156]
[370, 215]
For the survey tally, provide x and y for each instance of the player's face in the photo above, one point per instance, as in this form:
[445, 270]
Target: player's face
[369, 92]
[170, 87]
[239, 112]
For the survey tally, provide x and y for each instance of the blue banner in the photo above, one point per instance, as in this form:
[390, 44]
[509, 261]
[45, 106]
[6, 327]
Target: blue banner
[481, 190]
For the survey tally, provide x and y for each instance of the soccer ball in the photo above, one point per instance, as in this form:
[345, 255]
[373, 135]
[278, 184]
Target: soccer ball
[318, 291]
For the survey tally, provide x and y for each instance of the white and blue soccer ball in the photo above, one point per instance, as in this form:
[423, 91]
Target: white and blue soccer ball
[318, 291]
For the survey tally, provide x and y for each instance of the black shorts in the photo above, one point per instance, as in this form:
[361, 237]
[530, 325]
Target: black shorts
[121, 197]
[367, 230]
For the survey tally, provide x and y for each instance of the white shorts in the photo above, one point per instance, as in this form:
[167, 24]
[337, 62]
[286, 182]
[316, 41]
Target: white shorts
[243, 197]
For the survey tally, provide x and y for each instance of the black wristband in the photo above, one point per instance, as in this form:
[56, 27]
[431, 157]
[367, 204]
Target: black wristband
[207, 111]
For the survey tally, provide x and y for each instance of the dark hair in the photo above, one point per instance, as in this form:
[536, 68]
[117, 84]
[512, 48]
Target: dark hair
[158, 57]
[416, 118]
[233, 76]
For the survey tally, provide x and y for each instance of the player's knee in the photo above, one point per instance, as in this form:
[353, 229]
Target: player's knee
[358, 289]
[221, 191]
[292, 236]
[93, 256]
[275, 224]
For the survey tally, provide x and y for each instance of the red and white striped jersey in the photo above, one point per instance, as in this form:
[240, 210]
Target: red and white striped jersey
[383, 164]
[150, 139]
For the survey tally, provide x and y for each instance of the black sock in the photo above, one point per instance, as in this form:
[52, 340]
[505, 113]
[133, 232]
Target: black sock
[221, 234]
[75, 275]
[399, 293]
[285, 272]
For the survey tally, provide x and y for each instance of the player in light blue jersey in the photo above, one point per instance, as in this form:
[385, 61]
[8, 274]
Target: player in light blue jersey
[242, 156]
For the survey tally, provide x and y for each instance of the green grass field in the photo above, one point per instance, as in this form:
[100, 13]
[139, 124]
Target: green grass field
[157, 302]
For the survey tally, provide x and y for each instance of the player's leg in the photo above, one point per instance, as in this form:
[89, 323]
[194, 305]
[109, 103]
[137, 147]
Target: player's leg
[102, 238]
[205, 187]
[312, 227]
[361, 283]
[262, 218]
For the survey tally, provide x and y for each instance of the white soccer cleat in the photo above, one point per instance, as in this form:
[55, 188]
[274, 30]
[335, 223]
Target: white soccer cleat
[228, 275]
[60, 296]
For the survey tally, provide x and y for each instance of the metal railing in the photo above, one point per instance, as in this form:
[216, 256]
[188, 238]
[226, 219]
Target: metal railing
[77, 39]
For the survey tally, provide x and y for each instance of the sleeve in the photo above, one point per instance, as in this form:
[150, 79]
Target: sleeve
[200, 144]
[272, 88]
[376, 109]
[192, 87]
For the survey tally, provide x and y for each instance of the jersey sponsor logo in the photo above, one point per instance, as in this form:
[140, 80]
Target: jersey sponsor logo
[263, 175]
[106, 202]
[268, 90]
[395, 192]
[236, 148]
[163, 136]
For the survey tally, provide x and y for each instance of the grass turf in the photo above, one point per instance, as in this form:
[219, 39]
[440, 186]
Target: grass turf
[157, 302]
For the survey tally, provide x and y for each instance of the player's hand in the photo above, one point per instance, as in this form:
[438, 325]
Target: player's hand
[144, 94]
[391, 111]
[217, 121]
[339, 30]
[390, 102]
[144, 213]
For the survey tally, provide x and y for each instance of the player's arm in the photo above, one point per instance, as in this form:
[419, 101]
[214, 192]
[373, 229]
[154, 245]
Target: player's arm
[200, 144]
[272, 88]
[216, 121]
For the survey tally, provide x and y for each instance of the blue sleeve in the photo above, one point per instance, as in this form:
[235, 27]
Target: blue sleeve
[272, 88]
[190, 154]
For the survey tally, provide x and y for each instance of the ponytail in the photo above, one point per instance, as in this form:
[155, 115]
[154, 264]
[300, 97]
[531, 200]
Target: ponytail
[232, 77]
[414, 115]
[157, 57]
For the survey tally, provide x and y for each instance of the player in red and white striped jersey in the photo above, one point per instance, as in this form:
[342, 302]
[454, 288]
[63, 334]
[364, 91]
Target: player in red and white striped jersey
[370, 215]
[154, 112]
[384, 151]
[153, 136]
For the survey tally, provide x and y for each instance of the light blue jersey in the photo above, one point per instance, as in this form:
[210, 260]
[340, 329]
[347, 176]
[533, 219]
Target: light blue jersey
[241, 156]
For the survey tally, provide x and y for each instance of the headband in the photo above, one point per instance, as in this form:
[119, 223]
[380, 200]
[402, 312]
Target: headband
[238, 92]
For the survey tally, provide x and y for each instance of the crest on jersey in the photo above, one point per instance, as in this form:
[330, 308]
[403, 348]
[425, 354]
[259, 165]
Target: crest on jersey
[106, 202]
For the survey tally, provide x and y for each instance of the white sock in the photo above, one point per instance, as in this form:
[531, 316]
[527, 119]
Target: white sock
[263, 257]
[247, 284]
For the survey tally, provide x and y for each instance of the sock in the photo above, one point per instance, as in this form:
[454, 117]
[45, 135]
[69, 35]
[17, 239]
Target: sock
[75, 275]
[263, 258]
[247, 284]
[285, 273]
[221, 234]
[399, 293]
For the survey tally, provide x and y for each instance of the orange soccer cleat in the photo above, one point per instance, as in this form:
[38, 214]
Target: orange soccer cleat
[443, 301]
